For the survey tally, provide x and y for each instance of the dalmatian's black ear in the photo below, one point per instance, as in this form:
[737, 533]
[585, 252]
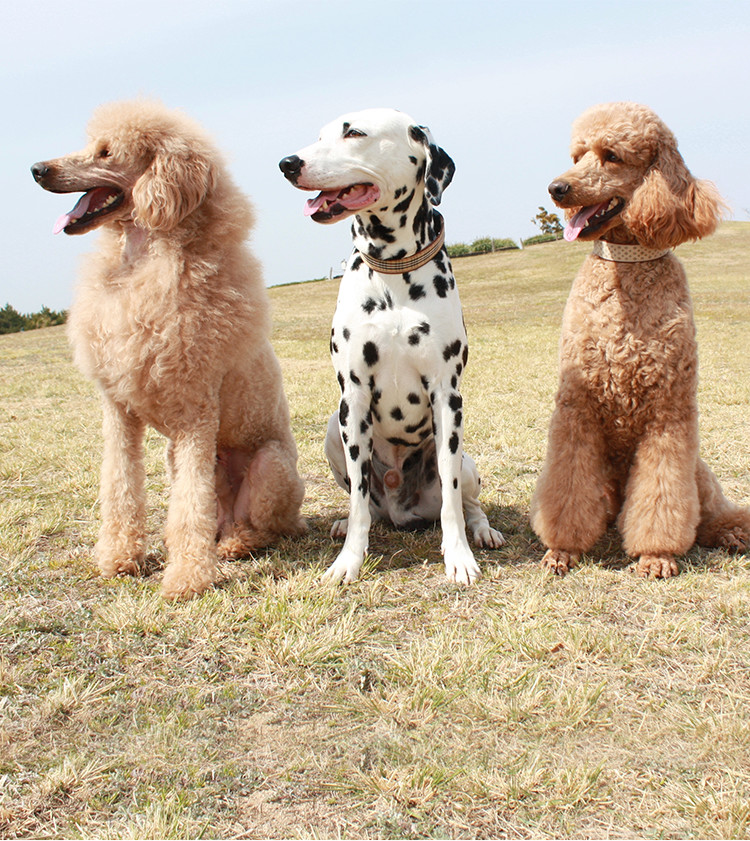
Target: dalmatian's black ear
[440, 166]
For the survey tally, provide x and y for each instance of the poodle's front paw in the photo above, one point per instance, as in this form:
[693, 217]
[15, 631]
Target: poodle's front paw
[346, 567]
[460, 566]
[559, 561]
[338, 529]
[485, 537]
[113, 561]
[656, 566]
[183, 581]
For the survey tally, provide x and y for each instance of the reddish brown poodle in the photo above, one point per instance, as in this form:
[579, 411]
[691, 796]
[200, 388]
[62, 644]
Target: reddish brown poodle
[623, 440]
[171, 321]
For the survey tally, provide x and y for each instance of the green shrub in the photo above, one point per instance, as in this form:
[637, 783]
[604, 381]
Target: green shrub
[540, 238]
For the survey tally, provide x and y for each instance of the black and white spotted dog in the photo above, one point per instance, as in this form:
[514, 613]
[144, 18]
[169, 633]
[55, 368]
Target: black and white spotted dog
[398, 340]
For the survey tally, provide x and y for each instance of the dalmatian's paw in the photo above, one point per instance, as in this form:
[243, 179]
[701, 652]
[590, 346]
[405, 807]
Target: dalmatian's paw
[485, 537]
[461, 567]
[338, 529]
[345, 568]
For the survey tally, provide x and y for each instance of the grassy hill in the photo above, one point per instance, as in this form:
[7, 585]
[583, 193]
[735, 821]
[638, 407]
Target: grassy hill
[599, 705]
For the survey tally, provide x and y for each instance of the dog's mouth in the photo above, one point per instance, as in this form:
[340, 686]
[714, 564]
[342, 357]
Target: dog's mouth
[588, 220]
[332, 205]
[93, 206]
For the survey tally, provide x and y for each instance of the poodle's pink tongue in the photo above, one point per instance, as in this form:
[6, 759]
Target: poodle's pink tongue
[578, 222]
[82, 205]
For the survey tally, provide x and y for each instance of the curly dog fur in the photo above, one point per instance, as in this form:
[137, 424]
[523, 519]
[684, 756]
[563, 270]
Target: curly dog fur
[171, 320]
[623, 439]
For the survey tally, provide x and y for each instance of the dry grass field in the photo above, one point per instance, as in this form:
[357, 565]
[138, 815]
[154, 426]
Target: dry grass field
[599, 705]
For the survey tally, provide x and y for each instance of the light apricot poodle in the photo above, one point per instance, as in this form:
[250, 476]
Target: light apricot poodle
[171, 320]
[623, 440]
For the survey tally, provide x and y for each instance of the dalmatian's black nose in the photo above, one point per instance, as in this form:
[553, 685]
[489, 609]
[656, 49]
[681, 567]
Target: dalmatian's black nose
[558, 189]
[291, 167]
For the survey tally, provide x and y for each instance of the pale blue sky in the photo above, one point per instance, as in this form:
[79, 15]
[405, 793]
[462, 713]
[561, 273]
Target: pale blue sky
[497, 82]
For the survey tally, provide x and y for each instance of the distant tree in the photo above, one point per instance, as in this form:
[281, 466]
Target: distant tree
[11, 321]
[548, 223]
[45, 318]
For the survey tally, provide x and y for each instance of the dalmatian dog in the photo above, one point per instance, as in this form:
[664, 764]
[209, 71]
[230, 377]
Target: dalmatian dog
[398, 341]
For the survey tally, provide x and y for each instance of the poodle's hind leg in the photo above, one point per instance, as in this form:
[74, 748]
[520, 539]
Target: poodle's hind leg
[572, 500]
[723, 524]
[267, 502]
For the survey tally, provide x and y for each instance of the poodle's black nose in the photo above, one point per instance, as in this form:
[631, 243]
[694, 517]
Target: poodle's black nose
[558, 189]
[39, 170]
[291, 167]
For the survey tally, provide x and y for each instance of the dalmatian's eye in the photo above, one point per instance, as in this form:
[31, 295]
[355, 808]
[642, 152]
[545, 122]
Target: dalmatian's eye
[354, 132]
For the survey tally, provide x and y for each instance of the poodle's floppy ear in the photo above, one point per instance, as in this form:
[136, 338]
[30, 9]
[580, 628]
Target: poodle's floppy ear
[440, 166]
[171, 188]
[671, 206]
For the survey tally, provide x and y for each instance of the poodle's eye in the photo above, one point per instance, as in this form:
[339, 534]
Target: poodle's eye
[354, 132]
[104, 153]
[611, 158]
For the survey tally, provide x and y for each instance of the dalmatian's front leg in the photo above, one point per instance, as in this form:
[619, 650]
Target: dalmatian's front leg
[460, 565]
[356, 436]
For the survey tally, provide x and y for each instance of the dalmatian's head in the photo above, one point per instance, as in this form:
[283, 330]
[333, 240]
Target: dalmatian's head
[369, 159]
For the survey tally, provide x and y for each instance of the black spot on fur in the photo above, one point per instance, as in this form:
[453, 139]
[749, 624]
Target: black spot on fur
[343, 412]
[354, 378]
[455, 483]
[416, 291]
[424, 327]
[399, 442]
[403, 206]
[455, 401]
[412, 428]
[378, 231]
[397, 414]
[346, 333]
[453, 443]
[357, 262]
[370, 353]
[441, 285]
[354, 452]
[457, 418]
[414, 338]
[465, 355]
[413, 398]
[369, 305]
[340, 378]
[363, 426]
[376, 395]
[452, 349]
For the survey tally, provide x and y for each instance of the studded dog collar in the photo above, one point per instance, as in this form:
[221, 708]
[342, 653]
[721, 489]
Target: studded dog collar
[616, 253]
[408, 264]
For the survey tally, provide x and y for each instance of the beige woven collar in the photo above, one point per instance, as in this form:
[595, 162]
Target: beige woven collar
[408, 264]
[616, 253]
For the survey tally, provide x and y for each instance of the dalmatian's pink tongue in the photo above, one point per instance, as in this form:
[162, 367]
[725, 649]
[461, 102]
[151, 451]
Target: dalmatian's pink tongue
[351, 198]
[579, 221]
[82, 205]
